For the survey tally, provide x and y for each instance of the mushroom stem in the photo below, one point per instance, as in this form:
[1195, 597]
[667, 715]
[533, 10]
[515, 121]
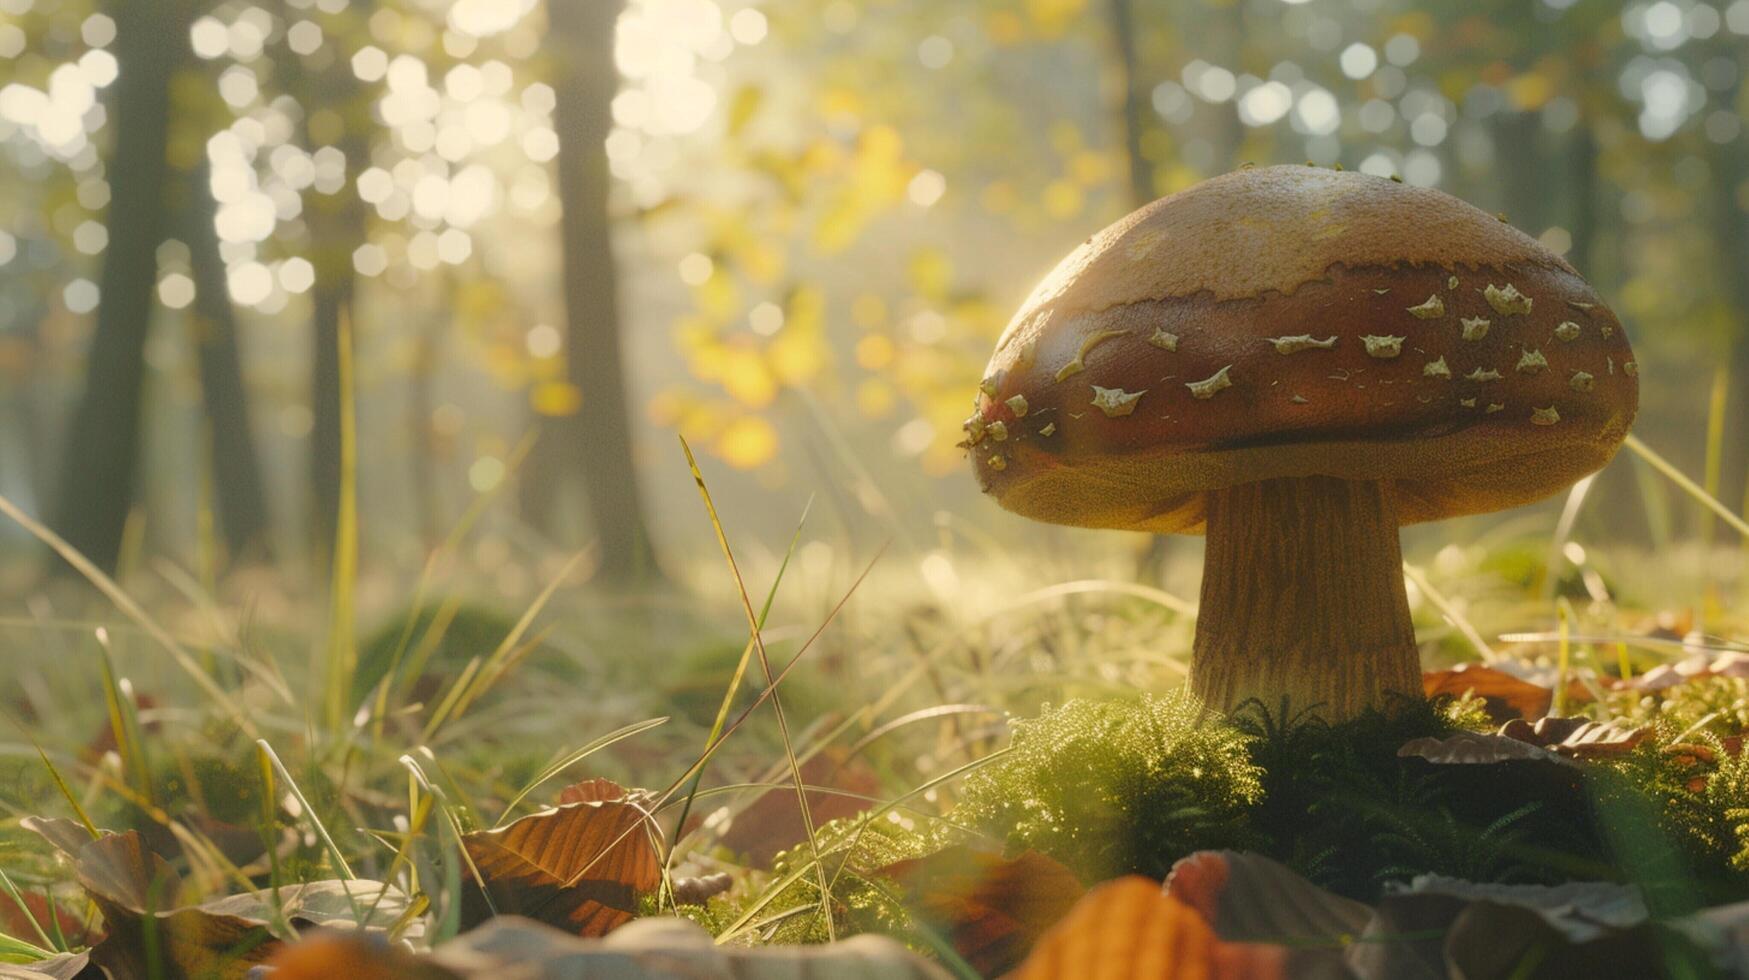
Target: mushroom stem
[1302, 598]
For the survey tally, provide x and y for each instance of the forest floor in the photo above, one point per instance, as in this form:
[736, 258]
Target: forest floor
[204, 779]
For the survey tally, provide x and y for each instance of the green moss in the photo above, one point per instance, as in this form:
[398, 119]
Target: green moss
[1115, 787]
[1719, 704]
[851, 850]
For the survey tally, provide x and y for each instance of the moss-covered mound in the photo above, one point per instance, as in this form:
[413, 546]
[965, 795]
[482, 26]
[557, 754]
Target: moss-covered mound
[1116, 787]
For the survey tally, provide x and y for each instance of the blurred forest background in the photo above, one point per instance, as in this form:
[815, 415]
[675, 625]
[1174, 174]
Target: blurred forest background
[541, 236]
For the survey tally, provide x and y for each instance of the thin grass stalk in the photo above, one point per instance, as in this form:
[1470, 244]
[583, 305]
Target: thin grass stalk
[342, 645]
[1688, 486]
[572, 758]
[121, 600]
[462, 526]
[291, 785]
[13, 893]
[740, 672]
[753, 625]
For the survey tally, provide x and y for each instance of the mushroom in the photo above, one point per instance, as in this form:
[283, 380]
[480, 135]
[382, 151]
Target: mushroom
[1300, 469]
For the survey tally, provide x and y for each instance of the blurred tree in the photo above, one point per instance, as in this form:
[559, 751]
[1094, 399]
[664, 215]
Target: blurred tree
[1133, 111]
[1728, 208]
[583, 38]
[102, 452]
[336, 114]
[236, 471]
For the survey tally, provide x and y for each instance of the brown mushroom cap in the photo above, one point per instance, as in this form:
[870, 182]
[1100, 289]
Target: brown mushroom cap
[1293, 321]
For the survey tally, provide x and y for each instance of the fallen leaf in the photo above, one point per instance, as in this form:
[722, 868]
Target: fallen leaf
[61, 966]
[66, 836]
[1478, 748]
[148, 934]
[1506, 696]
[325, 955]
[773, 822]
[663, 948]
[1579, 910]
[1577, 738]
[580, 866]
[1250, 898]
[1129, 929]
[1437, 927]
[701, 888]
[990, 909]
[599, 790]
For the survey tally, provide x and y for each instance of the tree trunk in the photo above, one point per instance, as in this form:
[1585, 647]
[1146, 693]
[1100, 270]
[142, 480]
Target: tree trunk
[98, 474]
[1228, 45]
[1522, 169]
[337, 225]
[1303, 604]
[1730, 233]
[240, 500]
[421, 383]
[600, 434]
[1134, 107]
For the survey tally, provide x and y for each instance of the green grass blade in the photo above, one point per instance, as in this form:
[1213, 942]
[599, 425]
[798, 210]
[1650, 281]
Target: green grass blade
[770, 680]
[342, 645]
[467, 690]
[132, 610]
[572, 758]
[13, 893]
[1715, 446]
[741, 669]
[123, 722]
[309, 812]
[21, 950]
[1687, 485]
[453, 540]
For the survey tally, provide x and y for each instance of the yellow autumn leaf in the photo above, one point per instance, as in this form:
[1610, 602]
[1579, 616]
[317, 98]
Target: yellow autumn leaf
[746, 378]
[875, 351]
[747, 442]
[1063, 199]
[931, 272]
[555, 399]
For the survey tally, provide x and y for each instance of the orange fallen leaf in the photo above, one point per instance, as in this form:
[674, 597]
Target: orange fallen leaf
[1506, 696]
[327, 955]
[1129, 929]
[580, 866]
[992, 910]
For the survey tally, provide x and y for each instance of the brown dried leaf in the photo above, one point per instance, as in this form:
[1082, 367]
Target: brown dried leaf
[579, 867]
[1475, 748]
[1249, 898]
[136, 893]
[66, 836]
[992, 910]
[773, 823]
[701, 888]
[1506, 696]
[148, 934]
[1576, 738]
[1129, 928]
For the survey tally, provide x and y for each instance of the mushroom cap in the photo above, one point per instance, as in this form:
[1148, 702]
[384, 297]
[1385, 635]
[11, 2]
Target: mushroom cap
[1290, 322]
